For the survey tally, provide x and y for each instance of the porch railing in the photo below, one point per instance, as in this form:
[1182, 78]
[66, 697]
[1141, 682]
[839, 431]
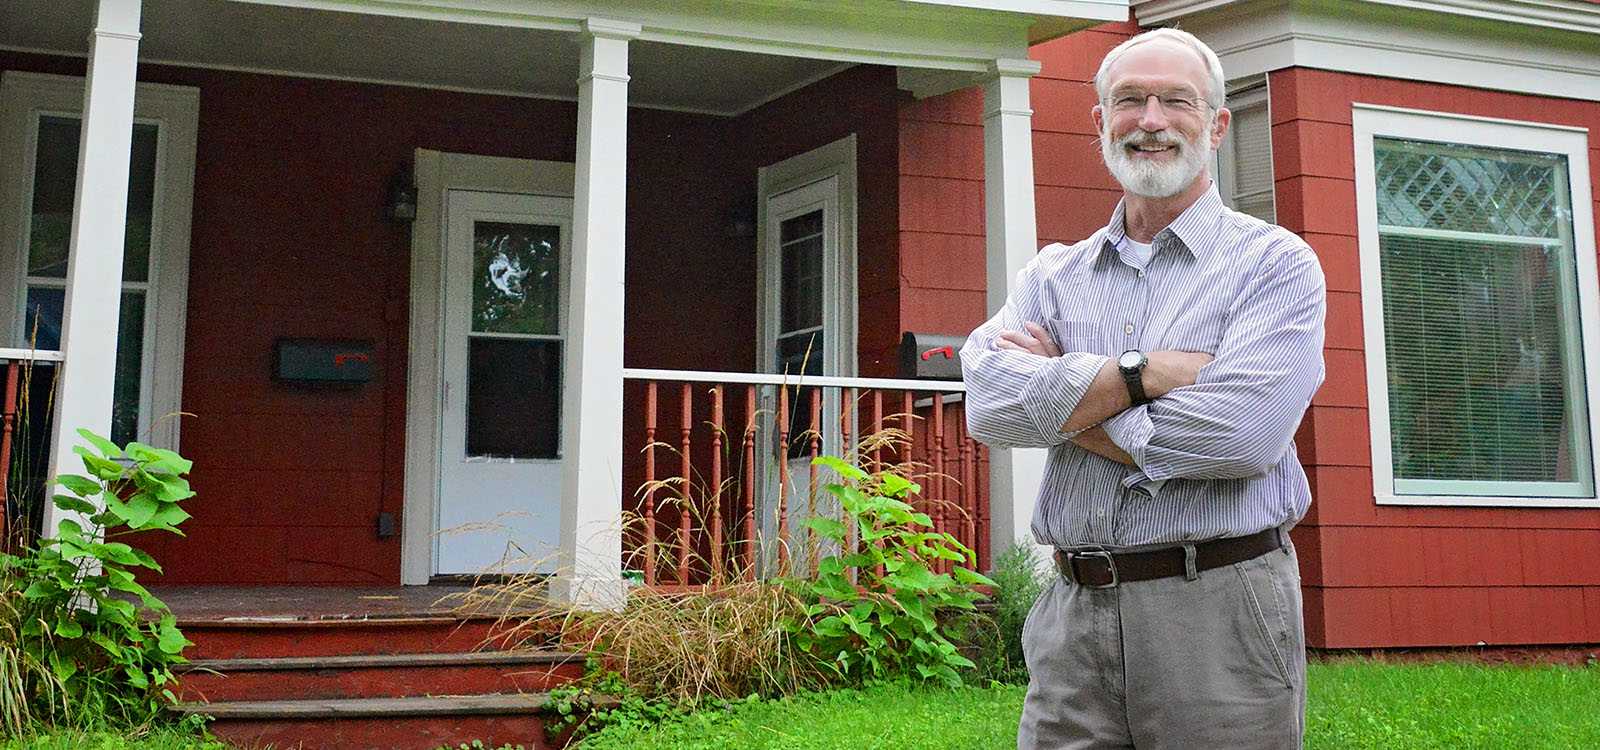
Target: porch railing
[18, 497]
[719, 475]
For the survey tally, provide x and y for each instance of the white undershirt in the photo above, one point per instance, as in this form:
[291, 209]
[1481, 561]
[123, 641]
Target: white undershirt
[1142, 252]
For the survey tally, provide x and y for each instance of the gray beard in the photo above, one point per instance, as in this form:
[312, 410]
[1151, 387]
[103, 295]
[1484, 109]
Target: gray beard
[1150, 179]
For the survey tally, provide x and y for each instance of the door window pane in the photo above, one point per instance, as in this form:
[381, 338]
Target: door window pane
[54, 184]
[516, 282]
[513, 398]
[42, 326]
[1481, 327]
[801, 288]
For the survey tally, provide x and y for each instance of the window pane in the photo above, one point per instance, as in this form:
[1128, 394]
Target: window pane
[800, 354]
[55, 180]
[800, 290]
[1471, 189]
[1484, 367]
[130, 361]
[42, 326]
[513, 398]
[516, 282]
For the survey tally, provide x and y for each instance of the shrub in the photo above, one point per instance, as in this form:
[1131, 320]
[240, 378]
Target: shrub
[108, 644]
[1018, 582]
[874, 612]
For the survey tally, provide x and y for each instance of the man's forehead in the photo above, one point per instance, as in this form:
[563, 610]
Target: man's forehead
[1158, 63]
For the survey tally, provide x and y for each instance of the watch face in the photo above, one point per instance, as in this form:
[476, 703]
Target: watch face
[1130, 359]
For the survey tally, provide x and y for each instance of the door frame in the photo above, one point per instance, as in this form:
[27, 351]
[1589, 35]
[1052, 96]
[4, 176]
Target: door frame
[836, 160]
[436, 173]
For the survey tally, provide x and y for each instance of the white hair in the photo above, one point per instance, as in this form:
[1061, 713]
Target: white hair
[1218, 92]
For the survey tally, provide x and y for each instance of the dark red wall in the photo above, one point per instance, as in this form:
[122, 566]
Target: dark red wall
[1410, 576]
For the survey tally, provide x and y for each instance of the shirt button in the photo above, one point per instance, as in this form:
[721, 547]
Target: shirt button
[1101, 513]
[1141, 273]
[1128, 329]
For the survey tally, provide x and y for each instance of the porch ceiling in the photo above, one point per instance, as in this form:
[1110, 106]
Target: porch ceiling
[409, 51]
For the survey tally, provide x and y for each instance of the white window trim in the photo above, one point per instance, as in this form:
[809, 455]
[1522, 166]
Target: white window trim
[1372, 121]
[176, 112]
[1244, 94]
[836, 160]
[437, 174]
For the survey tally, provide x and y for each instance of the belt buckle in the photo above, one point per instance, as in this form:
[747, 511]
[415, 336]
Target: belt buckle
[1111, 565]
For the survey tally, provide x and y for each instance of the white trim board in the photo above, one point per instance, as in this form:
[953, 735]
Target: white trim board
[436, 174]
[1394, 41]
[1372, 121]
[175, 110]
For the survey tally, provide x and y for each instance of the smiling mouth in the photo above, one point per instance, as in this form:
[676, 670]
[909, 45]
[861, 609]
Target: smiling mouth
[1149, 148]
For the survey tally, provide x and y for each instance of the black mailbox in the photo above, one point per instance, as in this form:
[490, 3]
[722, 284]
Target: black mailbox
[930, 356]
[323, 361]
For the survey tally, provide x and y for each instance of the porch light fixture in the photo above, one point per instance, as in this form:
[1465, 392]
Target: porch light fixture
[402, 203]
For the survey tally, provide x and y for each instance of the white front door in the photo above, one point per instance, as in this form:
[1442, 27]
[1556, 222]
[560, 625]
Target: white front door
[505, 270]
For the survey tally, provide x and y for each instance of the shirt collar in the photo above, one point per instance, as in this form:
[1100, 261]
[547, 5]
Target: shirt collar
[1195, 227]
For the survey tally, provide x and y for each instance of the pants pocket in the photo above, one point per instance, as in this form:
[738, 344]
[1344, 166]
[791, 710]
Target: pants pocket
[1268, 612]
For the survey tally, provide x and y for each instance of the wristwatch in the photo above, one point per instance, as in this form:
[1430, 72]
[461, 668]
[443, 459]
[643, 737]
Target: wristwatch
[1131, 364]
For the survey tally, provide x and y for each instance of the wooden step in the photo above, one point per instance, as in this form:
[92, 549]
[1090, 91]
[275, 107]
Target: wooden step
[418, 723]
[265, 637]
[376, 675]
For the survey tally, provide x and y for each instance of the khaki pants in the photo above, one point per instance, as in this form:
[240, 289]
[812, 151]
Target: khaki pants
[1216, 662]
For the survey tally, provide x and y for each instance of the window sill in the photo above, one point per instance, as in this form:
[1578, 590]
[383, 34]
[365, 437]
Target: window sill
[1481, 501]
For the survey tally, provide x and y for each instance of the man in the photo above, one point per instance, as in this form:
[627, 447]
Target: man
[1165, 362]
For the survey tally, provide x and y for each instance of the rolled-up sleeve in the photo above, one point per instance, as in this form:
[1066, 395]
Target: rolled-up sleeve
[1239, 418]
[1016, 399]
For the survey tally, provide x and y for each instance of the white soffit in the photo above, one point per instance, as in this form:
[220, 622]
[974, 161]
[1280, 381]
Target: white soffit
[495, 60]
[1547, 47]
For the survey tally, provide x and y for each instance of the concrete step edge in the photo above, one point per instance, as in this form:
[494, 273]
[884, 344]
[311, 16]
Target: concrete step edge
[353, 708]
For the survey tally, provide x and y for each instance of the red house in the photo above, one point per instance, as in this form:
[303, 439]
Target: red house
[423, 297]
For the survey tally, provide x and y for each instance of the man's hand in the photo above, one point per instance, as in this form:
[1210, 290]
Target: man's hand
[1036, 340]
[1167, 370]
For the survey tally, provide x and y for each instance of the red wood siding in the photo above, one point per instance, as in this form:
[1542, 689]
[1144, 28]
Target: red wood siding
[1380, 576]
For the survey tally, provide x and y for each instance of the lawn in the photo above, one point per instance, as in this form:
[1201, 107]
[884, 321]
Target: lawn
[1353, 704]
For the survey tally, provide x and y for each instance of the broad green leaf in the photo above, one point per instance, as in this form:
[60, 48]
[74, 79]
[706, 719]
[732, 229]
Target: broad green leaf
[141, 509]
[116, 552]
[175, 489]
[862, 611]
[63, 667]
[170, 462]
[136, 677]
[969, 578]
[831, 626]
[172, 640]
[171, 515]
[106, 447]
[895, 485]
[80, 485]
[69, 628]
[101, 468]
[69, 529]
[107, 644]
[73, 504]
[40, 590]
[845, 468]
[117, 507]
[143, 558]
[827, 527]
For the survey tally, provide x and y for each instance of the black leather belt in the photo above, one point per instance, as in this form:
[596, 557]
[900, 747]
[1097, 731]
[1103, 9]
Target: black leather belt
[1098, 568]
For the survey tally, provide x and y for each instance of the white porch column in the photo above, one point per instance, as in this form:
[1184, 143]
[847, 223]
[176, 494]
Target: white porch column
[591, 426]
[1013, 239]
[94, 260]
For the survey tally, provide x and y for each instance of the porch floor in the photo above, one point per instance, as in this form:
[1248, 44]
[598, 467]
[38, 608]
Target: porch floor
[311, 603]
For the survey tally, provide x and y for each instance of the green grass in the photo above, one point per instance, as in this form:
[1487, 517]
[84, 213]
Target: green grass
[1352, 705]
[161, 739]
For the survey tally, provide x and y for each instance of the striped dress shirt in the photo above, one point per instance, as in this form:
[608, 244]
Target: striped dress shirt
[1215, 459]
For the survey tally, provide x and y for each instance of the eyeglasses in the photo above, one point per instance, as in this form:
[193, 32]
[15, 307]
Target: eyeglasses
[1174, 102]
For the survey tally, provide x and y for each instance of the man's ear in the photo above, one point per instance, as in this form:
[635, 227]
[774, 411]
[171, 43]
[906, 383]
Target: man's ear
[1097, 113]
[1220, 127]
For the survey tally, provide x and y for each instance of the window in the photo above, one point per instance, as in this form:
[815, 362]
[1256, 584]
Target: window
[1478, 292]
[40, 122]
[1244, 159]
